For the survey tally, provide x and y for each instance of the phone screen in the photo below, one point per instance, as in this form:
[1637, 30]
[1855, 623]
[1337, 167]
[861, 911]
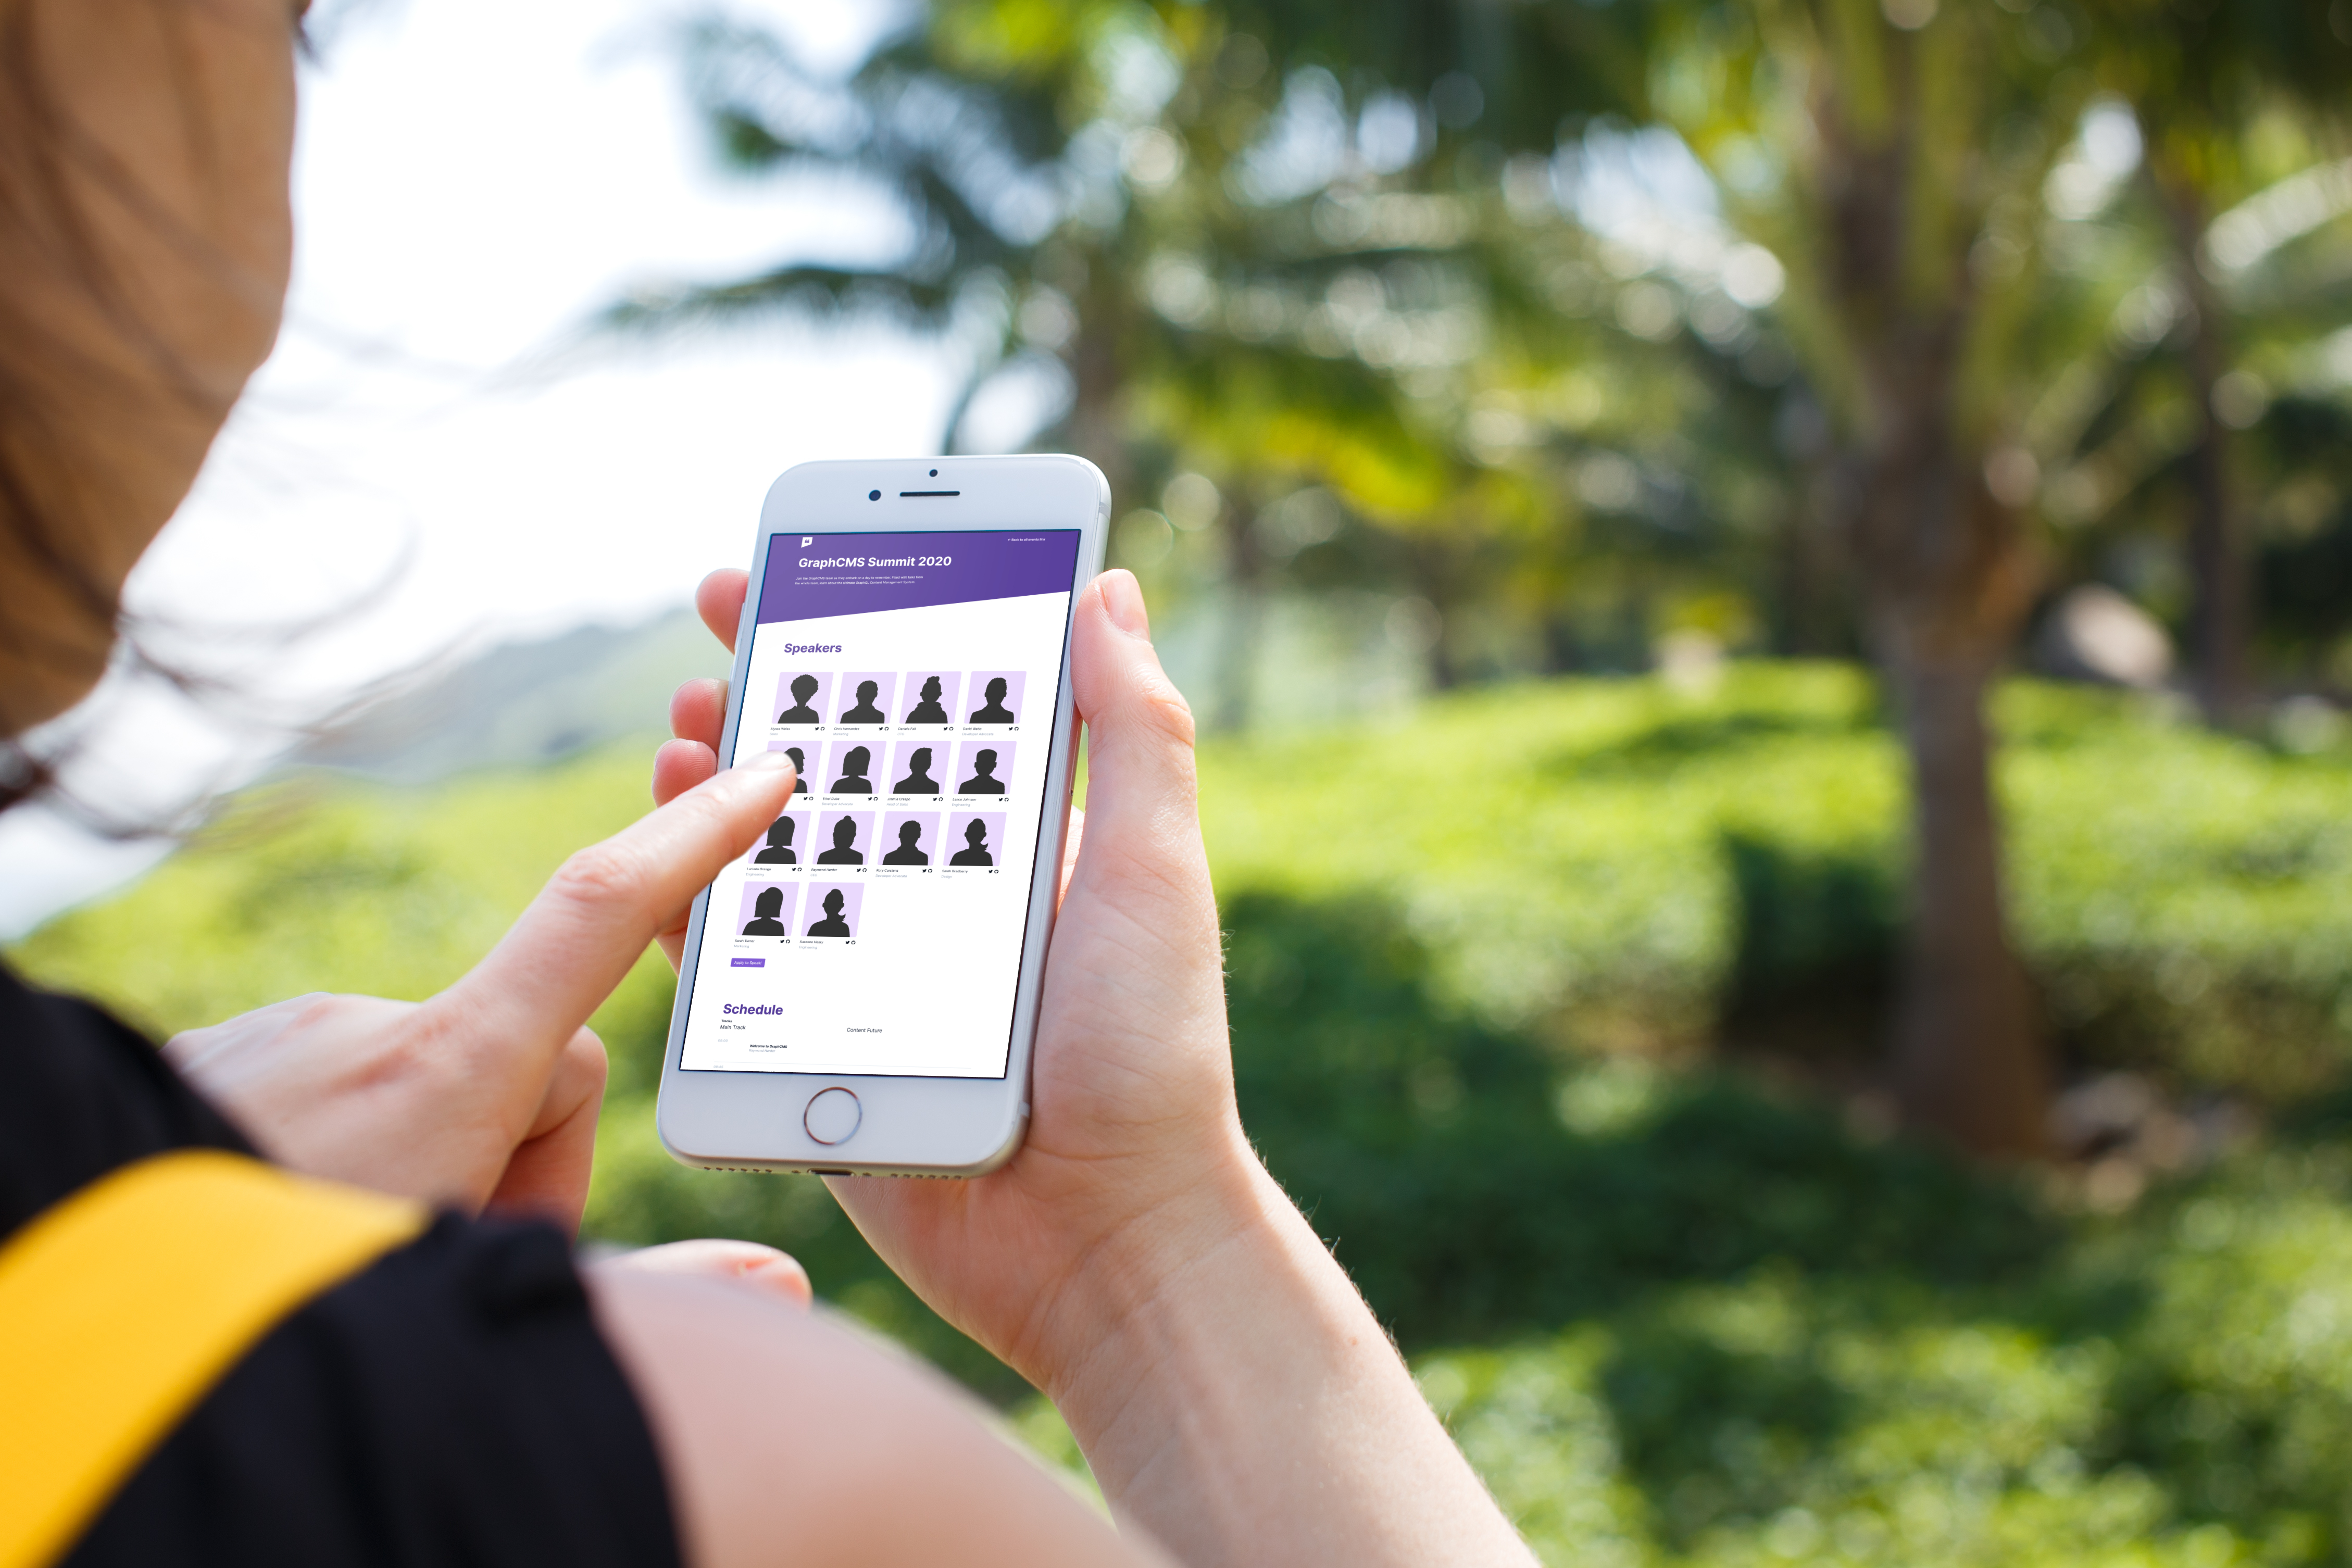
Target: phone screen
[878, 926]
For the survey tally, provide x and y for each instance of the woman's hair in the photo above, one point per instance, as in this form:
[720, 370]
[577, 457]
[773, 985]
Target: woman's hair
[50, 246]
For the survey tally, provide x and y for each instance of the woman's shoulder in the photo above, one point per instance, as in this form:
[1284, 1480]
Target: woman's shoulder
[80, 1095]
[453, 1402]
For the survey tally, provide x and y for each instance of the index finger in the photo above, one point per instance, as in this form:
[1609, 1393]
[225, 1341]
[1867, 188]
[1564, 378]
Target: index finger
[516, 1008]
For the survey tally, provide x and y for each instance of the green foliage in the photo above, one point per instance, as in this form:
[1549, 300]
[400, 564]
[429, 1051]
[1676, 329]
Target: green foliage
[2170, 1389]
[1620, 863]
[1475, 1188]
[1672, 1315]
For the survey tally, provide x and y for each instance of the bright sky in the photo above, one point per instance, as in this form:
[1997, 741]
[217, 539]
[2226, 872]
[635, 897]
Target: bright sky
[474, 179]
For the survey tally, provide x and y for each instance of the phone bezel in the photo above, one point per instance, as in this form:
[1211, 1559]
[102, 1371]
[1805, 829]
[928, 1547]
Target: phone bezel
[719, 1120]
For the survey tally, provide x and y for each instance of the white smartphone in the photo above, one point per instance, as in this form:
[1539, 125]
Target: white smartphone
[859, 994]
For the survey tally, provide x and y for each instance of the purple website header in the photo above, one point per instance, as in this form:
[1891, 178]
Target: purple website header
[813, 575]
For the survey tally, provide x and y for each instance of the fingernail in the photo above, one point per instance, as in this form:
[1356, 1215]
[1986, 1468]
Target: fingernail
[769, 761]
[1123, 599]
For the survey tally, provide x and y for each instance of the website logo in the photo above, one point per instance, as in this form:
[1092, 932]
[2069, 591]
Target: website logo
[807, 539]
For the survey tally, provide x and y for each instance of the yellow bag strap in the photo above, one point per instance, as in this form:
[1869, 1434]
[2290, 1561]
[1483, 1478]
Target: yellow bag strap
[121, 1306]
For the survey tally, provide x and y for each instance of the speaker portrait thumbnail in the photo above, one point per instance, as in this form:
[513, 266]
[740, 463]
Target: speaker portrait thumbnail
[866, 698]
[806, 756]
[843, 838]
[767, 910]
[910, 838]
[916, 767]
[801, 695]
[976, 837]
[849, 767]
[995, 696]
[983, 767]
[929, 696]
[833, 909]
[777, 848]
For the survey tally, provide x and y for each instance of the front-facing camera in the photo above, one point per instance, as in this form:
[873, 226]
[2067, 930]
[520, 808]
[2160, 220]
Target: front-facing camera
[873, 495]
[935, 473]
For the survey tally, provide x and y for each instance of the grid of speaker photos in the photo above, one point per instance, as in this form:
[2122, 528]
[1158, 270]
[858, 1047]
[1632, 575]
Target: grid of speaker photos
[905, 775]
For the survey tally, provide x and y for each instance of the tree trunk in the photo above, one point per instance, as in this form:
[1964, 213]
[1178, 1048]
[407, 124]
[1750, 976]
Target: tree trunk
[1243, 628]
[1946, 569]
[1945, 577]
[2220, 619]
[1967, 1057]
[1433, 573]
[1097, 378]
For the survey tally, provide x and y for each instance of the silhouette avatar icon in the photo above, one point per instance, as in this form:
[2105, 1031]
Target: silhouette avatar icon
[909, 835]
[854, 769]
[804, 688]
[865, 712]
[845, 834]
[983, 779]
[833, 924]
[929, 710]
[995, 712]
[780, 845]
[799, 771]
[918, 781]
[975, 850]
[764, 922]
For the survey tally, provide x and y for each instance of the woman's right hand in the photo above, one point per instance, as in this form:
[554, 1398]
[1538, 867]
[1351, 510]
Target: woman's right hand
[1135, 1159]
[1231, 1389]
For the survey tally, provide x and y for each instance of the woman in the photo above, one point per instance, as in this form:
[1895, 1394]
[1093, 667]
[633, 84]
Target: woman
[468, 1397]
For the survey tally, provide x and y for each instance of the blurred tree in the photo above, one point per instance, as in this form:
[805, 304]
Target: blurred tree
[1127, 198]
[2203, 79]
[1875, 149]
[1555, 308]
[1866, 155]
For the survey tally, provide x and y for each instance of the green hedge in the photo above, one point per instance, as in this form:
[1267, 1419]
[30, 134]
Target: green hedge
[1674, 1316]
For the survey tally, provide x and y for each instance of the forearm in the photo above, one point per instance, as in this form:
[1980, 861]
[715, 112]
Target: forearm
[1248, 1408]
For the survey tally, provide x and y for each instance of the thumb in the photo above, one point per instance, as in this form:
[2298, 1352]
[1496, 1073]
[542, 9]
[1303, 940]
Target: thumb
[1143, 791]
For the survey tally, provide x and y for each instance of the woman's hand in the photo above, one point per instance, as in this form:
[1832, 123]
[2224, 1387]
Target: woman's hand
[1135, 1159]
[486, 1095]
[1230, 1388]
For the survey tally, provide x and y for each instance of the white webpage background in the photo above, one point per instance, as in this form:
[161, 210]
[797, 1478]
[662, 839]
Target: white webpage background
[927, 988]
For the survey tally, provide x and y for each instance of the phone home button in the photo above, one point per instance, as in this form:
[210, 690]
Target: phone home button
[832, 1116]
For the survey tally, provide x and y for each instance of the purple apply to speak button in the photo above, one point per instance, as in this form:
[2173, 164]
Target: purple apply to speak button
[747, 963]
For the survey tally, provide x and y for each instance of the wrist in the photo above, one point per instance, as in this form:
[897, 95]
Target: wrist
[1238, 1399]
[1146, 1264]
[1161, 1331]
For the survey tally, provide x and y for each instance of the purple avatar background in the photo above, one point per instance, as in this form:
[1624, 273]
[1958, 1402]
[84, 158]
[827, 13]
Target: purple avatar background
[888, 842]
[836, 764]
[786, 701]
[821, 841]
[751, 902]
[1010, 565]
[960, 825]
[902, 764]
[809, 783]
[975, 696]
[886, 695]
[852, 902]
[910, 693]
[966, 764]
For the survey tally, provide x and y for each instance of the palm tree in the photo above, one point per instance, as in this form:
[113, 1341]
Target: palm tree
[1883, 154]
[1106, 191]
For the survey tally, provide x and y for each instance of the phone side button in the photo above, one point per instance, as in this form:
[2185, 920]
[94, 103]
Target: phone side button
[833, 1116]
